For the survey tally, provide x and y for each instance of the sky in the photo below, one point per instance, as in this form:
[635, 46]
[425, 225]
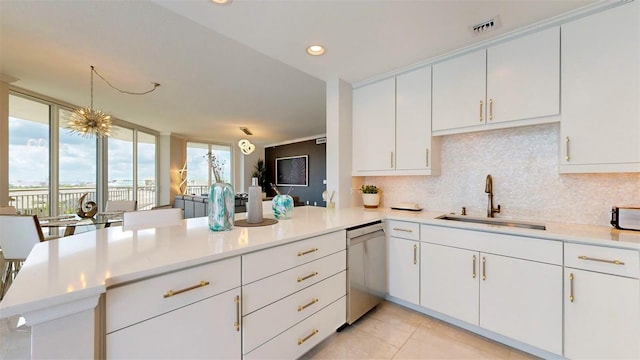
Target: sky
[29, 157]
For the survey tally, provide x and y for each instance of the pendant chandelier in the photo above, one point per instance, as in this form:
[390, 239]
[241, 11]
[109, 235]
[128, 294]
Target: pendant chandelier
[89, 122]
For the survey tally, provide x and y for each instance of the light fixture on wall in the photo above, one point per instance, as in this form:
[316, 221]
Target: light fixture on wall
[90, 122]
[246, 146]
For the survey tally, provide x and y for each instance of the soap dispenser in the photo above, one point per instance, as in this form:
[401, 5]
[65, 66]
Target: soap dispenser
[254, 205]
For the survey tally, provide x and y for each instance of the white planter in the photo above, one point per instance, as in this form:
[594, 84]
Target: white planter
[371, 201]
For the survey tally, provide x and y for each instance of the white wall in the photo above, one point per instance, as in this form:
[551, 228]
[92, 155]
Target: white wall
[524, 165]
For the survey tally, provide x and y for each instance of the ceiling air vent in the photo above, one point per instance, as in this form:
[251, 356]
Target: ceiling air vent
[486, 26]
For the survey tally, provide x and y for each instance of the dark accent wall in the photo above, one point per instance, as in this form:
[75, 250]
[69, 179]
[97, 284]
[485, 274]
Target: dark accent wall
[317, 169]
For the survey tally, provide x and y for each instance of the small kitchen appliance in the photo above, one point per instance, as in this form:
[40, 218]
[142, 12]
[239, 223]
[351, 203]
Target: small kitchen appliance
[626, 217]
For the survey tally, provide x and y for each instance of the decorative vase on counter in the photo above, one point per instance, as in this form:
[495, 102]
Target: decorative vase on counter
[282, 206]
[221, 206]
[371, 201]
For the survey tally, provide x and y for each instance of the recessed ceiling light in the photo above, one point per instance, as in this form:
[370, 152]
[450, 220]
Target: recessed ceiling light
[221, 2]
[315, 50]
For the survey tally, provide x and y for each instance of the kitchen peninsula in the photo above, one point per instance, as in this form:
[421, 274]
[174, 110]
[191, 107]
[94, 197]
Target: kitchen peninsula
[61, 288]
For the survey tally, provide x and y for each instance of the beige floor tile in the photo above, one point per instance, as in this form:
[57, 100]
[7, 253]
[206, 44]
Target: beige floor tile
[393, 333]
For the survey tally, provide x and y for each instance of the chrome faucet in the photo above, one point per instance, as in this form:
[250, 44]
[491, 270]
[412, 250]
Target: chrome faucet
[488, 188]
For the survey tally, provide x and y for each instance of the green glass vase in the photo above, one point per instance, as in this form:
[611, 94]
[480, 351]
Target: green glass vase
[221, 206]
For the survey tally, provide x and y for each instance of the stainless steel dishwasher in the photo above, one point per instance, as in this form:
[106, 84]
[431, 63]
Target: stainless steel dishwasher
[366, 269]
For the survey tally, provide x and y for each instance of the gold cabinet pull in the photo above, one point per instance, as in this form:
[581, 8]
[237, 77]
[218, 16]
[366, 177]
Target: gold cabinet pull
[490, 109]
[301, 341]
[238, 313]
[392, 159]
[401, 229]
[302, 253]
[615, 262]
[566, 145]
[474, 267]
[171, 293]
[571, 298]
[484, 268]
[427, 157]
[415, 254]
[301, 279]
[481, 111]
[302, 307]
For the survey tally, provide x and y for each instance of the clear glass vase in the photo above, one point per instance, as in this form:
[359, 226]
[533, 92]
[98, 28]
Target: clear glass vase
[221, 207]
[282, 206]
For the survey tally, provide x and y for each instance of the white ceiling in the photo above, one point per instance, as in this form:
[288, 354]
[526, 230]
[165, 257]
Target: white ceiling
[244, 64]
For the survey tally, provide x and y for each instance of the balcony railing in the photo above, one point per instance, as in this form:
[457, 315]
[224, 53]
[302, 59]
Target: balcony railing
[36, 201]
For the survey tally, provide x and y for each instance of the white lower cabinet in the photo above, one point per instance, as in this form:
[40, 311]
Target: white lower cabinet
[521, 299]
[295, 301]
[191, 313]
[404, 269]
[509, 285]
[206, 329]
[449, 281]
[601, 308]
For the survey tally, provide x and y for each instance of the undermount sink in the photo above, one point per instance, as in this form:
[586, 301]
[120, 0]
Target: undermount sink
[494, 221]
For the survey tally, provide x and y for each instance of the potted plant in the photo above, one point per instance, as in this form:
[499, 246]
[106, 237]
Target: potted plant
[260, 172]
[370, 196]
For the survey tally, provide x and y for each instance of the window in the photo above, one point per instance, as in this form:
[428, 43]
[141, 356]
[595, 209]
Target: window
[51, 168]
[120, 164]
[77, 163]
[199, 171]
[146, 170]
[29, 155]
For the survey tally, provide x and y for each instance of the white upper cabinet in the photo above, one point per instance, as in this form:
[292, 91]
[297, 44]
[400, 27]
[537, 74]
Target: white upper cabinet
[600, 127]
[459, 88]
[374, 133]
[515, 80]
[523, 77]
[392, 126]
[413, 120]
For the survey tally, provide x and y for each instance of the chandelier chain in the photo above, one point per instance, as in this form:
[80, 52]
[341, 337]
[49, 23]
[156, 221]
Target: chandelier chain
[93, 70]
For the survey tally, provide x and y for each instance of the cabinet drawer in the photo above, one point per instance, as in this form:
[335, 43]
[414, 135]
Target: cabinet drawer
[623, 262]
[266, 291]
[403, 229]
[299, 339]
[266, 323]
[138, 301]
[258, 265]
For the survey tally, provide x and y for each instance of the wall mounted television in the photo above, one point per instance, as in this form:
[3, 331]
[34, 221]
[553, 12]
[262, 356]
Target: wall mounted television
[292, 171]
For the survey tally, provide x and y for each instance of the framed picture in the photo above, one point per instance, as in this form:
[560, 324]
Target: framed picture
[292, 171]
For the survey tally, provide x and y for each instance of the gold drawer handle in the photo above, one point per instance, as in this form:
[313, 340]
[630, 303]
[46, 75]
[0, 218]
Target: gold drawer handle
[300, 308]
[615, 262]
[302, 253]
[171, 293]
[473, 274]
[301, 279]
[401, 229]
[484, 268]
[301, 341]
[238, 312]
[571, 297]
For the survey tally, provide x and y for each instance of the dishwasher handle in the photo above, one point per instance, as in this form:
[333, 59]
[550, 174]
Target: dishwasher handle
[365, 237]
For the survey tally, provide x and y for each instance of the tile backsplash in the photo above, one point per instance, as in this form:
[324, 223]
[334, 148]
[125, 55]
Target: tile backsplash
[524, 165]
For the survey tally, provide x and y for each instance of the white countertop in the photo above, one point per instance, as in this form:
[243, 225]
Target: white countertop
[85, 265]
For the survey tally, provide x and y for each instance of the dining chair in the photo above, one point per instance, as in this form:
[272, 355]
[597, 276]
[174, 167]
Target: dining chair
[18, 235]
[151, 218]
[120, 205]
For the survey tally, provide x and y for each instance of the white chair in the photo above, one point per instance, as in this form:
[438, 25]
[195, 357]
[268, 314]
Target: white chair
[151, 218]
[18, 235]
[120, 205]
